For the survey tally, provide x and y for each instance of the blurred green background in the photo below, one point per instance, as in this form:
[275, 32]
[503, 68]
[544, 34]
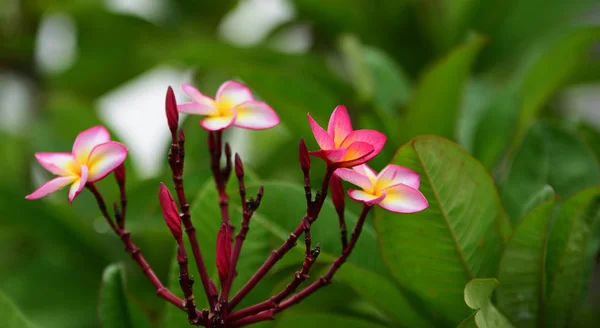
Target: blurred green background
[515, 83]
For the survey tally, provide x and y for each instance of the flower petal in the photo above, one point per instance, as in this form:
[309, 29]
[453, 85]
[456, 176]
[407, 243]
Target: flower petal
[323, 138]
[78, 184]
[51, 186]
[87, 140]
[358, 150]
[355, 178]
[197, 96]
[375, 138]
[339, 126]
[63, 164]
[197, 108]
[232, 93]
[367, 171]
[255, 115]
[216, 123]
[104, 159]
[404, 199]
[330, 155]
[394, 174]
[366, 198]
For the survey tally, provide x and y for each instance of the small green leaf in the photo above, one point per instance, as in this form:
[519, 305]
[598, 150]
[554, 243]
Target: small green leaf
[567, 254]
[116, 310]
[10, 316]
[434, 253]
[522, 293]
[434, 105]
[478, 294]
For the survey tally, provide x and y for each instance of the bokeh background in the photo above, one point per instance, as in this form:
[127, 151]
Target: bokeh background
[491, 73]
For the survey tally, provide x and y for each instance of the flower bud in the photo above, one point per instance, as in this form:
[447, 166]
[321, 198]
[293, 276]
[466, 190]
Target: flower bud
[120, 174]
[337, 194]
[170, 211]
[172, 113]
[223, 252]
[239, 166]
[303, 156]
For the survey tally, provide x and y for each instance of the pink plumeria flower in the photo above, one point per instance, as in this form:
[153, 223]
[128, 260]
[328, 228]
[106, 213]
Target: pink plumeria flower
[341, 146]
[93, 157]
[395, 188]
[233, 105]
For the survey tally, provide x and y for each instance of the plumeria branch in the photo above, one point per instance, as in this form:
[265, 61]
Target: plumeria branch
[136, 254]
[176, 161]
[215, 148]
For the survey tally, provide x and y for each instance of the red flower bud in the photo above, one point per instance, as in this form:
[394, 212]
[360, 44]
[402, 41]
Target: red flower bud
[303, 156]
[170, 211]
[120, 174]
[239, 166]
[337, 194]
[223, 252]
[172, 113]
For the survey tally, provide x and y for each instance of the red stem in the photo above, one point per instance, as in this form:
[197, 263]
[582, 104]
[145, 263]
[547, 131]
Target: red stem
[137, 256]
[310, 217]
[215, 148]
[176, 157]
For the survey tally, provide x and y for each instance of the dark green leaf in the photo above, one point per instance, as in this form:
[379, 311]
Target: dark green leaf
[478, 294]
[435, 253]
[10, 316]
[522, 294]
[302, 320]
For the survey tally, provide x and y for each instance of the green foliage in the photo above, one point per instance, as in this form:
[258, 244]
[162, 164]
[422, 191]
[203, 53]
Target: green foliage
[478, 293]
[488, 75]
[434, 253]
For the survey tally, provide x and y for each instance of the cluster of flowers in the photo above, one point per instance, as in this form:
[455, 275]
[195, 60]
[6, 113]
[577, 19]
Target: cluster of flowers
[344, 150]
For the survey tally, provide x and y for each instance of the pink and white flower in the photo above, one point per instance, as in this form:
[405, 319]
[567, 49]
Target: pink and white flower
[233, 105]
[342, 146]
[93, 157]
[395, 188]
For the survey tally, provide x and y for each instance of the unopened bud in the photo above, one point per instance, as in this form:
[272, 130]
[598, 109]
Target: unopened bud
[170, 211]
[120, 174]
[337, 194]
[181, 136]
[303, 156]
[239, 166]
[172, 113]
[223, 252]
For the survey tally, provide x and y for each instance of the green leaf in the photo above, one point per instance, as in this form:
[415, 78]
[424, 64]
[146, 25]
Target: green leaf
[522, 293]
[433, 108]
[116, 310]
[535, 167]
[478, 293]
[567, 254]
[446, 21]
[10, 316]
[434, 253]
[392, 84]
[301, 320]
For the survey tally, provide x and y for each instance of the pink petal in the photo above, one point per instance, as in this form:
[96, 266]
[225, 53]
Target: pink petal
[339, 126]
[63, 164]
[359, 151]
[363, 197]
[196, 96]
[355, 178]
[255, 115]
[217, 123]
[331, 155]
[51, 186]
[232, 93]
[197, 108]
[367, 171]
[87, 140]
[375, 138]
[78, 185]
[104, 159]
[394, 174]
[404, 199]
[323, 138]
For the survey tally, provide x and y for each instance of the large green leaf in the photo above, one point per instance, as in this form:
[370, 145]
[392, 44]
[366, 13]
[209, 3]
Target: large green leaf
[535, 167]
[300, 320]
[478, 294]
[567, 254]
[434, 253]
[446, 21]
[10, 316]
[433, 108]
[116, 310]
[522, 294]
